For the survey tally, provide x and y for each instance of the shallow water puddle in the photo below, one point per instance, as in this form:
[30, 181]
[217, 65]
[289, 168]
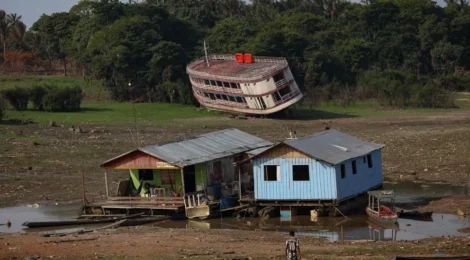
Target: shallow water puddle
[358, 227]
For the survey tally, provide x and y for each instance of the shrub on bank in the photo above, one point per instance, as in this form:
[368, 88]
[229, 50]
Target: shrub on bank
[17, 97]
[37, 94]
[2, 108]
[62, 99]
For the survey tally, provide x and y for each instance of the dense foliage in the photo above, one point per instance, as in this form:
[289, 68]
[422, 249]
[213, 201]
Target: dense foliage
[17, 97]
[2, 108]
[62, 99]
[400, 52]
[44, 98]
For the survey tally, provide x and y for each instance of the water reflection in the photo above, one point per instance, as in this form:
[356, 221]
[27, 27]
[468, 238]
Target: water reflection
[335, 229]
[355, 227]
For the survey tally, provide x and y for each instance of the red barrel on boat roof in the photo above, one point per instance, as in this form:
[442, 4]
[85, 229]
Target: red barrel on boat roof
[239, 57]
[248, 58]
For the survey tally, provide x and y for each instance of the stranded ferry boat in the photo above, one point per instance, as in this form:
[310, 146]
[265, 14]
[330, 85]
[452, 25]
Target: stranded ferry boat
[243, 83]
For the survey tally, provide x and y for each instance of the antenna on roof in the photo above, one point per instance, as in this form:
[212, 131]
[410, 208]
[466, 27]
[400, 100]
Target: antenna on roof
[205, 51]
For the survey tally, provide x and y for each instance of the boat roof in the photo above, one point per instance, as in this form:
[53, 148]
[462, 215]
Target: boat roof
[382, 194]
[203, 148]
[224, 67]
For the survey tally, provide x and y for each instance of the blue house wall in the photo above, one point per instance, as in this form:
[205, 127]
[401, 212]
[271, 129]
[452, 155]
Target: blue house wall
[365, 179]
[321, 185]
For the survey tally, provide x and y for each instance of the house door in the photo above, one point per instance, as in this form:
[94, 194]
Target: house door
[189, 179]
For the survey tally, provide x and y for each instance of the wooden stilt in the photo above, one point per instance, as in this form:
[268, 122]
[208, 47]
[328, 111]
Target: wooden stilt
[182, 181]
[239, 182]
[106, 182]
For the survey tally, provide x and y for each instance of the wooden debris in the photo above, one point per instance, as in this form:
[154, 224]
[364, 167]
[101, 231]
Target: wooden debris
[25, 143]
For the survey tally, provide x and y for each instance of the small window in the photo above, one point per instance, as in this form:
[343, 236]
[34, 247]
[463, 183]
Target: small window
[224, 97]
[354, 167]
[207, 82]
[343, 171]
[232, 98]
[300, 173]
[271, 172]
[146, 175]
[212, 96]
[369, 160]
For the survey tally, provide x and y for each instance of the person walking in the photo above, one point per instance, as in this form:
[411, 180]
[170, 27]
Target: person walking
[292, 247]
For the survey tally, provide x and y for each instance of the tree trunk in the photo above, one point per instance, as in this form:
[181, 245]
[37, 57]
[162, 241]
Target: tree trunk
[65, 67]
[4, 49]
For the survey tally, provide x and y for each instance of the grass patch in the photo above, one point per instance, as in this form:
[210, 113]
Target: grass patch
[114, 113]
[92, 90]
[105, 111]
[370, 108]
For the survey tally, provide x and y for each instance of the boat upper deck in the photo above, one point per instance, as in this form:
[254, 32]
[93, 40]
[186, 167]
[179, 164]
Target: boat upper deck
[224, 67]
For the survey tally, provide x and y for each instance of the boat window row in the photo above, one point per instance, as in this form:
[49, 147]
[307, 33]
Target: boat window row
[216, 83]
[216, 96]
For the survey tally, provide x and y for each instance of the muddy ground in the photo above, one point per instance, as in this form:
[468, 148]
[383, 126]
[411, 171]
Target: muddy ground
[142, 243]
[424, 147]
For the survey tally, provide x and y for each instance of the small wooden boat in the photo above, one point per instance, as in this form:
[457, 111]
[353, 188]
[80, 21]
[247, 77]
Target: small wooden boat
[76, 222]
[414, 214]
[381, 213]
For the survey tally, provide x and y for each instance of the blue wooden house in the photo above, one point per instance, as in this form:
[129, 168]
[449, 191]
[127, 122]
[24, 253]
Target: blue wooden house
[319, 170]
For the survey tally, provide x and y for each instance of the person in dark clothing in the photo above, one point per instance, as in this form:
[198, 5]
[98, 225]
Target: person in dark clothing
[292, 247]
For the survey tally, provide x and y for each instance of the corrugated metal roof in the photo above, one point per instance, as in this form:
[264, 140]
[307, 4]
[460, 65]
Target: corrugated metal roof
[260, 150]
[333, 146]
[205, 147]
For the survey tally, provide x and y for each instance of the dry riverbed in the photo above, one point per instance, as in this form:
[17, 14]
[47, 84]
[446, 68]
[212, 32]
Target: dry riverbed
[145, 243]
[425, 147]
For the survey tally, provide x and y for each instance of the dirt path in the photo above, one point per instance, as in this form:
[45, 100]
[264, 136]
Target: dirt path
[212, 244]
[426, 147]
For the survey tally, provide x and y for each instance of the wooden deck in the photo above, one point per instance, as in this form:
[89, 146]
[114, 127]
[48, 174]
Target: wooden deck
[154, 203]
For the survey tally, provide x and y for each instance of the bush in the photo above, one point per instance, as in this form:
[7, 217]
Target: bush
[37, 94]
[17, 97]
[432, 96]
[62, 99]
[2, 108]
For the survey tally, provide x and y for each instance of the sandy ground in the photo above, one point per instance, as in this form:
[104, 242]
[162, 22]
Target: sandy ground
[450, 205]
[425, 147]
[212, 244]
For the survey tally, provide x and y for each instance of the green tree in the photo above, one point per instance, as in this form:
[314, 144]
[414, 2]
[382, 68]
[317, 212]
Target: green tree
[55, 32]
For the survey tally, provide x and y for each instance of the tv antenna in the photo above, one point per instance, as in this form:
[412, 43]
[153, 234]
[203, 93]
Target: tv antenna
[205, 51]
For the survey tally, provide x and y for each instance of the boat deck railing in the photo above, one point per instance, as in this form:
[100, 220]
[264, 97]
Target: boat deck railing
[219, 89]
[288, 97]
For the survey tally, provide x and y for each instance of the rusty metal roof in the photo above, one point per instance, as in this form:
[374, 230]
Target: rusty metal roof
[204, 148]
[224, 67]
[333, 146]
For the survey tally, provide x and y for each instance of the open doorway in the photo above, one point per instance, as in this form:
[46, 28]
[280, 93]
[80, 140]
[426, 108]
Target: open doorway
[189, 179]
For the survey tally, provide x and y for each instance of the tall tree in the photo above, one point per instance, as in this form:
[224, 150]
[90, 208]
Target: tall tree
[5, 30]
[56, 33]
